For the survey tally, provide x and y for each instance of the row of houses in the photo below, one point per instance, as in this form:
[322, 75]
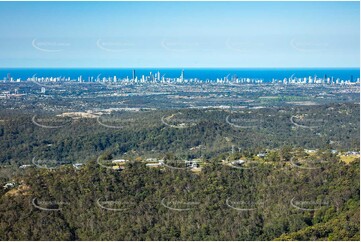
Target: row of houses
[76, 166]
[352, 153]
[187, 163]
[153, 162]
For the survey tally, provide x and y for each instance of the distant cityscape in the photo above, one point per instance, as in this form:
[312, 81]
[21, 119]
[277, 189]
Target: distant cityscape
[157, 77]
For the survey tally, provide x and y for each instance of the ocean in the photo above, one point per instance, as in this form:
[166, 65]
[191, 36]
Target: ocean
[267, 74]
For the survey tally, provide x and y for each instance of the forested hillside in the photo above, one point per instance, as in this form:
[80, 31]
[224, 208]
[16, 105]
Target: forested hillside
[277, 174]
[158, 132]
[274, 200]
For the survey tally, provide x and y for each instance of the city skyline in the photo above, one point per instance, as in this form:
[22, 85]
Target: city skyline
[158, 77]
[180, 34]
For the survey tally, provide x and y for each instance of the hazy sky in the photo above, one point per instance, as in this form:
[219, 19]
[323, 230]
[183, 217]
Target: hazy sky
[179, 34]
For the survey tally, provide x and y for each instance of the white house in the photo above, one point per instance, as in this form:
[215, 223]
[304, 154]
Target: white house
[77, 165]
[119, 161]
[9, 185]
[238, 162]
[25, 166]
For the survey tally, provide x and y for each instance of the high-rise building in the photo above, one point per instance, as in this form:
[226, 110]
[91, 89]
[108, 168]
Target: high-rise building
[182, 76]
[151, 76]
[133, 74]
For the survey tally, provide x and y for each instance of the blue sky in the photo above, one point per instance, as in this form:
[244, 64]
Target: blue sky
[179, 34]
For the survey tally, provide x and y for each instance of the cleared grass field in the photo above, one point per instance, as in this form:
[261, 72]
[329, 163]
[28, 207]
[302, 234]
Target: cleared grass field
[349, 158]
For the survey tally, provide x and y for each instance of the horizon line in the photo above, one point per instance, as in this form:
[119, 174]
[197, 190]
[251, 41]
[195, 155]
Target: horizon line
[149, 67]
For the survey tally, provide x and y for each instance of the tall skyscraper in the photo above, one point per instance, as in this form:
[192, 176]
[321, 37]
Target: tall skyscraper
[182, 75]
[133, 74]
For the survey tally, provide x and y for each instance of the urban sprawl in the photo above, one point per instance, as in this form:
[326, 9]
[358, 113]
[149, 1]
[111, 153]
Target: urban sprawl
[158, 78]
